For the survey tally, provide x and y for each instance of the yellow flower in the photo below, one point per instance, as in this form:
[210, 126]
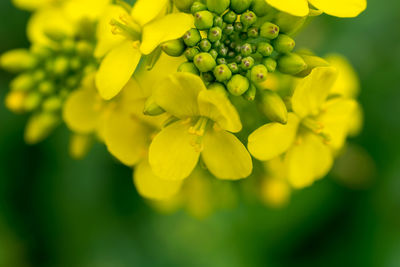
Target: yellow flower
[317, 126]
[338, 8]
[138, 33]
[205, 120]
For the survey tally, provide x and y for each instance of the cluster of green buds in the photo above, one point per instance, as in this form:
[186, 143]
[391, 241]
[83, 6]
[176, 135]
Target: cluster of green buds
[46, 76]
[236, 43]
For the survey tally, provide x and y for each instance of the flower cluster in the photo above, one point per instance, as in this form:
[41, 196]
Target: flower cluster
[183, 91]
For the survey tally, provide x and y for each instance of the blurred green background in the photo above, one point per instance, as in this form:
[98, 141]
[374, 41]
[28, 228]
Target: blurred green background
[55, 211]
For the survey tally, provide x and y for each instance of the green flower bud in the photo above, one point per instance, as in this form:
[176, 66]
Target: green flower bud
[205, 45]
[240, 6]
[223, 51]
[39, 75]
[269, 30]
[274, 107]
[238, 59]
[250, 94]
[151, 108]
[192, 37]
[208, 77]
[188, 67]
[218, 6]
[291, 64]
[75, 63]
[248, 18]
[258, 74]
[213, 53]
[183, 5]
[230, 17]
[246, 50]
[60, 66]
[217, 44]
[221, 60]
[238, 26]
[253, 32]
[197, 6]
[229, 29]
[261, 8]
[238, 85]
[289, 24]
[46, 88]
[40, 126]
[203, 20]
[283, 44]
[84, 49]
[32, 101]
[52, 104]
[312, 62]
[265, 49]
[23, 82]
[222, 73]
[270, 64]
[214, 34]
[17, 60]
[247, 63]
[218, 87]
[174, 48]
[243, 36]
[191, 52]
[204, 62]
[233, 67]
[218, 22]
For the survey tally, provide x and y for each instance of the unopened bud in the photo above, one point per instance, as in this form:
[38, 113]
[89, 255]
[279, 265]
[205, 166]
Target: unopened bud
[40, 126]
[233, 67]
[238, 26]
[203, 20]
[32, 101]
[218, 87]
[46, 88]
[258, 74]
[247, 63]
[197, 6]
[52, 104]
[17, 60]
[222, 73]
[229, 29]
[261, 8]
[183, 5]
[269, 30]
[253, 32]
[214, 34]
[270, 64]
[60, 66]
[221, 60]
[265, 49]
[208, 77]
[151, 108]
[283, 44]
[218, 21]
[291, 64]
[240, 6]
[192, 37]
[246, 50]
[250, 94]
[312, 62]
[248, 18]
[218, 6]
[23, 82]
[230, 17]
[174, 48]
[191, 52]
[188, 67]
[238, 85]
[15, 101]
[204, 62]
[274, 107]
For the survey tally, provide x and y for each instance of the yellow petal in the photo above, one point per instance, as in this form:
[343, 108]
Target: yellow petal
[31, 4]
[116, 69]
[341, 8]
[217, 107]
[82, 111]
[309, 159]
[294, 7]
[126, 138]
[336, 120]
[79, 145]
[170, 27]
[106, 39]
[174, 152]
[312, 91]
[39, 127]
[77, 10]
[273, 139]
[178, 93]
[225, 156]
[145, 11]
[150, 186]
[347, 83]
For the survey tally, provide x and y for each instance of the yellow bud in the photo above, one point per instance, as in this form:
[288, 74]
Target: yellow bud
[39, 127]
[274, 107]
[79, 145]
[17, 60]
[15, 101]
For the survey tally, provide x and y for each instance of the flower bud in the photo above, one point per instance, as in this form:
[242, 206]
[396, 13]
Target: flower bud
[270, 64]
[17, 60]
[204, 62]
[248, 18]
[229, 29]
[60, 66]
[203, 20]
[221, 60]
[238, 85]
[240, 6]
[40, 126]
[197, 6]
[23, 82]
[274, 107]
[230, 17]
[223, 51]
[253, 32]
[32, 101]
[247, 63]
[15, 101]
[183, 5]
[269, 30]
[283, 44]
[218, 6]
[191, 52]
[238, 26]
[246, 50]
[291, 64]
[52, 104]
[208, 77]
[213, 53]
[151, 108]
[312, 62]
[46, 88]
[233, 67]
[174, 48]
[218, 21]
[261, 8]
[222, 73]
[288, 23]
[205, 45]
[218, 87]
[188, 67]
[250, 94]
[258, 74]
[214, 34]
[265, 49]
[192, 37]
